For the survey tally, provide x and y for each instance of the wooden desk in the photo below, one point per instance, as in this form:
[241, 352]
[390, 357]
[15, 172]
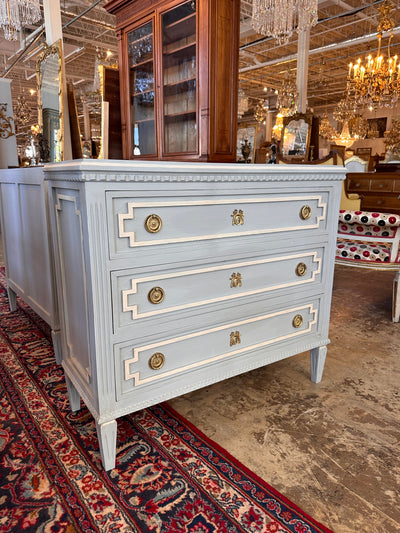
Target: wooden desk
[379, 191]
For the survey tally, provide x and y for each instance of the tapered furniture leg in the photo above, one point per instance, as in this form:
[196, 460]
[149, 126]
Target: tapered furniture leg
[56, 338]
[107, 435]
[73, 395]
[396, 298]
[12, 299]
[318, 356]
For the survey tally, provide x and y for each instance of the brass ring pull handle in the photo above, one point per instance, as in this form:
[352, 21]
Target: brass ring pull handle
[301, 269]
[156, 361]
[156, 295]
[305, 212]
[297, 321]
[237, 217]
[153, 223]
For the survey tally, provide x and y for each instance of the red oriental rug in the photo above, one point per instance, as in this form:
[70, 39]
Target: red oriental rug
[170, 478]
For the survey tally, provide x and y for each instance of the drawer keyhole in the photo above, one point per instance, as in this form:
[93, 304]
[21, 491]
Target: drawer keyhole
[235, 338]
[236, 280]
[237, 217]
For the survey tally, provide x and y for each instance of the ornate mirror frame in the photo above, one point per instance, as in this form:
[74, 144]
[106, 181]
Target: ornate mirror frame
[51, 126]
[298, 117]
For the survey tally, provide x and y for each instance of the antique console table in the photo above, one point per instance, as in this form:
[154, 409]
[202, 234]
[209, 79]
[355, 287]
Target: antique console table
[379, 191]
[173, 276]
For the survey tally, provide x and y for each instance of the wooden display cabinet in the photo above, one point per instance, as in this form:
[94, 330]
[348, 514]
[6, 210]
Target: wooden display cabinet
[178, 78]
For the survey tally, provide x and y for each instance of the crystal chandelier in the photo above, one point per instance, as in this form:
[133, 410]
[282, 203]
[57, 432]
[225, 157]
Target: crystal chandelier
[377, 84]
[345, 138]
[243, 102]
[22, 113]
[279, 18]
[287, 96]
[359, 127]
[259, 112]
[15, 14]
[345, 109]
[326, 131]
[392, 142]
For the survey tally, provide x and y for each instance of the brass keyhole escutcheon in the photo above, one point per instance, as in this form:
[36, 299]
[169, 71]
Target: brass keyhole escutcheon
[237, 217]
[297, 321]
[156, 361]
[236, 280]
[301, 269]
[153, 223]
[305, 212]
[156, 295]
[234, 338]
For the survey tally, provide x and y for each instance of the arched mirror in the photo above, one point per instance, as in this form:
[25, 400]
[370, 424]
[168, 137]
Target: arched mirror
[296, 135]
[50, 103]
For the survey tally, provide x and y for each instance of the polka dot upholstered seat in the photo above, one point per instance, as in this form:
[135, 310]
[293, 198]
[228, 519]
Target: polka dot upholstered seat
[371, 240]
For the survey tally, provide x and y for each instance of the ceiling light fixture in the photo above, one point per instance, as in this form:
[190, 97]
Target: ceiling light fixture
[16, 14]
[288, 95]
[280, 18]
[377, 84]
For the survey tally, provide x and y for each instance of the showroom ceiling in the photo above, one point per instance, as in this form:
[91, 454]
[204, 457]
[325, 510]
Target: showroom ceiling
[346, 30]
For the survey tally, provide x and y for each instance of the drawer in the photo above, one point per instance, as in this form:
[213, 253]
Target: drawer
[380, 203]
[382, 185]
[145, 222]
[137, 296]
[138, 365]
[357, 184]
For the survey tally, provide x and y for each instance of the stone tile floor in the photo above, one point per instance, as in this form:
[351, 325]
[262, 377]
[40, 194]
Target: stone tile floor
[332, 448]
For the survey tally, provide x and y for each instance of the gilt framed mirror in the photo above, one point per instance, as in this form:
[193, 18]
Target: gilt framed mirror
[296, 134]
[49, 75]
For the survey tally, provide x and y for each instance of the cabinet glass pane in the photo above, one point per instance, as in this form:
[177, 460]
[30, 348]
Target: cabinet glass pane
[141, 89]
[179, 78]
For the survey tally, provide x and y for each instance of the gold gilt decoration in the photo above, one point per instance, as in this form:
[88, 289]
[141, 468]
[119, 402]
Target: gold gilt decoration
[236, 280]
[376, 82]
[156, 361]
[234, 338]
[6, 129]
[301, 269]
[297, 321]
[237, 217]
[305, 212]
[156, 295]
[153, 223]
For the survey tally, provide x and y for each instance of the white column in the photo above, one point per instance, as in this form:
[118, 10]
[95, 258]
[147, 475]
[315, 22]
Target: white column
[52, 20]
[303, 48]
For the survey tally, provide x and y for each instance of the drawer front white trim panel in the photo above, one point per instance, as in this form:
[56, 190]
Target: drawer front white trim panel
[216, 343]
[152, 222]
[151, 296]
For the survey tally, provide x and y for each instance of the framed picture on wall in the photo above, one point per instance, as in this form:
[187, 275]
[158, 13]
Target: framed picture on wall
[376, 127]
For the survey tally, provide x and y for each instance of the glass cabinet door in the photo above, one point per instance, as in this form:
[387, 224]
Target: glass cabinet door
[179, 68]
[141, 90]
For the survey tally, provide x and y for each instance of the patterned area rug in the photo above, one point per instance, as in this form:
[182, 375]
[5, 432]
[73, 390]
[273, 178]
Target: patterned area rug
[169, 477]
